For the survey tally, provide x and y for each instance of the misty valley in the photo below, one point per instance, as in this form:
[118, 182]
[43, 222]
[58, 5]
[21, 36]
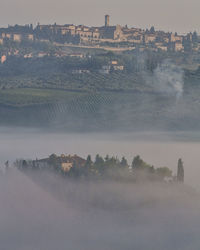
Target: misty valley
[99, 137]
[44, 207]
[104, 162]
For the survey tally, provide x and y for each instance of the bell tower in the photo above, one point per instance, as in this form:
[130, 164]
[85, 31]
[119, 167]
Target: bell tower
[107, 20]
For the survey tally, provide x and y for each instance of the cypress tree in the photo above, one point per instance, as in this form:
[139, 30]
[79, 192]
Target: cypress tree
[180, 171]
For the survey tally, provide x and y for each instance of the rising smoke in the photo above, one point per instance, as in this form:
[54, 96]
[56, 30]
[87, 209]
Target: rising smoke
[169, 78]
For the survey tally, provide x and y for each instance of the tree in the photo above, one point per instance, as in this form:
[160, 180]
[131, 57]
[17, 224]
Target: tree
[107, 156]
[24, 164]
[88, 161]
[88, 165]
[142, 170]
[99, 164]
[152, 30]
[138, 163]
[53, 159]
[180, 171]
[111, 162]
[163, 172]
[7, 164]
[75, 171]
[194, 37]
[99, 161]
[124, 162]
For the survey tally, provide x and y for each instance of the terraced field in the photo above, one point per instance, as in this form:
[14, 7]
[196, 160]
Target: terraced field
[97, 110]
[80, 82]
[96, 101]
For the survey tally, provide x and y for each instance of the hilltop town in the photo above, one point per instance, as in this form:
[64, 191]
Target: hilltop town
[58, 74]
[117, 36]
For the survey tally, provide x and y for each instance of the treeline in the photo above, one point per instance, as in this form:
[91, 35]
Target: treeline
[112, 167]
[50, 64]
[104, 168]
[19, 66]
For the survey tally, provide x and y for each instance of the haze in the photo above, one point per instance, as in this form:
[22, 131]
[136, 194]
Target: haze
[44, 211]
[156, 148]
[180, 15]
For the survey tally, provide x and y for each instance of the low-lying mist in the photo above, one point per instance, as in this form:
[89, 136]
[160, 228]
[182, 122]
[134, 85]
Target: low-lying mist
[44, 211]
[156, 148]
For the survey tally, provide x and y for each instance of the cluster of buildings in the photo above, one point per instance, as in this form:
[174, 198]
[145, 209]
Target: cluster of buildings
[105, 69]
[81, 34]
[17, 33]
[121, 36]
[110, 67]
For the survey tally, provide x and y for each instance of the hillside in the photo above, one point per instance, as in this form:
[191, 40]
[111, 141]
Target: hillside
[45, 93]
[98, 110]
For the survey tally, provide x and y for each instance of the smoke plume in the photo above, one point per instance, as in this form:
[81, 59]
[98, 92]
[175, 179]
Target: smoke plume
[169, 79]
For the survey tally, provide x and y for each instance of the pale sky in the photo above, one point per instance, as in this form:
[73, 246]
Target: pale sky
[169, 15]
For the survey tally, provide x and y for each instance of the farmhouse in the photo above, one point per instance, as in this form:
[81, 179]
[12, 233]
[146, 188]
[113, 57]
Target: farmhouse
[63, 162]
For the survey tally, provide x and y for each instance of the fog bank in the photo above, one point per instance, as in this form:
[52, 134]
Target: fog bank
[79, 215]
[158, 149]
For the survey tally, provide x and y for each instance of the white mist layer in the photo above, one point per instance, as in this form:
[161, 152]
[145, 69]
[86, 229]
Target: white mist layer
[158, 149]
[102, 216]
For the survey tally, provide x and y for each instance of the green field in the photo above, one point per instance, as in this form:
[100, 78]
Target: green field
[29, 96]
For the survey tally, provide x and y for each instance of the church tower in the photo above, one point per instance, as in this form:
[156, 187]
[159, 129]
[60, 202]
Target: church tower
[107, 20]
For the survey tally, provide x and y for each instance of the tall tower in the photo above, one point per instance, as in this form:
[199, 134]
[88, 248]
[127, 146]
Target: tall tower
[107, 20]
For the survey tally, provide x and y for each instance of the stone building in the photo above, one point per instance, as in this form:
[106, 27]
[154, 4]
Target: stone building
[66, 166]
[17, 37]
[178, 46]
[175, 38]
[149, 38]
[111, 32]
[64, 162]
